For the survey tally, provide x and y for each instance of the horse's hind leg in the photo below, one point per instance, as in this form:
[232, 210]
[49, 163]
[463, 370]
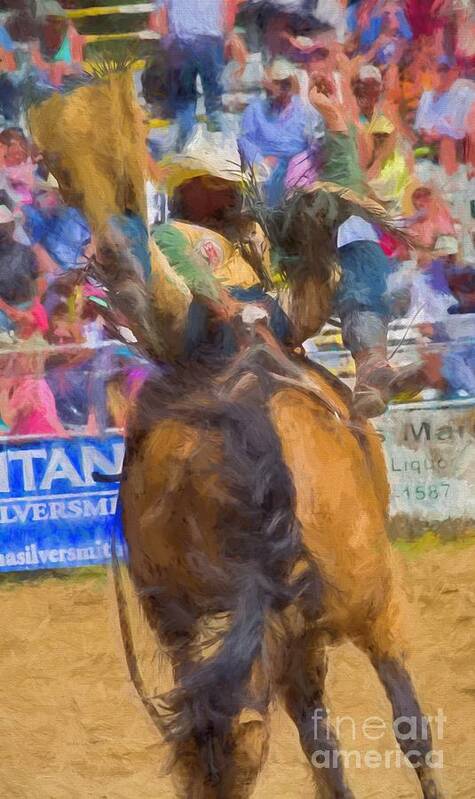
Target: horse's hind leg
[411, 726]
[304, 683]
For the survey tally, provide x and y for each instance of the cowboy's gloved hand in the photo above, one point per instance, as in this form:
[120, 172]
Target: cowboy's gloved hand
[252, 313]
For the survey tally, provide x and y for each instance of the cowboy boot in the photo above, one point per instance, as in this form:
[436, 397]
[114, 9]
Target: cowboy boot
[373, 377]
[365, 335]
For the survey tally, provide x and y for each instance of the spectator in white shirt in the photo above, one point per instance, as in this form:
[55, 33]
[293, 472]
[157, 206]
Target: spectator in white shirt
[444, 113]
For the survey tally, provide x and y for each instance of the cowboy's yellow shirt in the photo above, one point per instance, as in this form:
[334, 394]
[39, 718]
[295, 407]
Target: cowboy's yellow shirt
[206, 259]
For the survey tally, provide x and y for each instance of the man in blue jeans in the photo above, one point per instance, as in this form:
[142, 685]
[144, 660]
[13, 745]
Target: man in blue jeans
[195, 37]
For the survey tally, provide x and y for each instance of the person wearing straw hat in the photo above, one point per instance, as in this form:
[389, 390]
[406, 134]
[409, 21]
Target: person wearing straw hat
[222, 256]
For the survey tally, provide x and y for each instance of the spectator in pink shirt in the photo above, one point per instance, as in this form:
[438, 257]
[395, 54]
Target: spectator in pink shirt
[27, 404]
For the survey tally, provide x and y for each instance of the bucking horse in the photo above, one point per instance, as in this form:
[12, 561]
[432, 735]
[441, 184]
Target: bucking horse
[253, 506]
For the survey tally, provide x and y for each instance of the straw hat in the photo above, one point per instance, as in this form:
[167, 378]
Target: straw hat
[212, 154]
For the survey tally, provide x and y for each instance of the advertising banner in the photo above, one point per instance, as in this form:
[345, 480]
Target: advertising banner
[53, 514]
[430, 454]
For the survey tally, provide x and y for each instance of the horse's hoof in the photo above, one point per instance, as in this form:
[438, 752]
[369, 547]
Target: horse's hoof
[430, 789]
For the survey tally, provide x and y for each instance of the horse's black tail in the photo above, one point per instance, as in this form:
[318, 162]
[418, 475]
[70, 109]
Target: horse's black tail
[261, 545]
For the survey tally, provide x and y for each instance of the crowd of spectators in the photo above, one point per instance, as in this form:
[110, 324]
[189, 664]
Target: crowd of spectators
[396, 78]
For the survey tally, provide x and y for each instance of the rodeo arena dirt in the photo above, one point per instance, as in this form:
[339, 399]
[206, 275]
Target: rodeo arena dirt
[73, 727]
[237, 399]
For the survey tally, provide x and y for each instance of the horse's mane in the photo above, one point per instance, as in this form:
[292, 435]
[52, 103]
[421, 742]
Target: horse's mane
[302, 227]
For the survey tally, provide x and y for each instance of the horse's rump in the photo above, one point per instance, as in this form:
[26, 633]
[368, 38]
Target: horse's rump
[341, 505]
[209, 515]
[222, 522]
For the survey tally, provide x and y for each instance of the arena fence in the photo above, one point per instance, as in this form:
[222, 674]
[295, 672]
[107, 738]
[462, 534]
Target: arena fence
[55, 514]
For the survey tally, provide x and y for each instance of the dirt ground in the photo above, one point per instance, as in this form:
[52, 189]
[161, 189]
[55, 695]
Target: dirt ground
[71, 726]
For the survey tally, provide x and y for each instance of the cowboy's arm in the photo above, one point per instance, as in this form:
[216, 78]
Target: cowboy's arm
[186, 263]
[330, 111]
[346, 70]
[179, 253]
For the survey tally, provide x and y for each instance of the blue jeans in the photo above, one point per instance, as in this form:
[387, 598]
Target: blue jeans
[203, 56]
[363, 285]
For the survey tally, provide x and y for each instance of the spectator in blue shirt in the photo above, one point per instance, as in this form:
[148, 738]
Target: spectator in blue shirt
[279, 127]
[62, 231]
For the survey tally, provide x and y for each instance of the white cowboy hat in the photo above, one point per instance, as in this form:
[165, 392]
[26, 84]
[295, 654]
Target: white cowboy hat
[280, 69]
[6, 216]
[370, 72]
